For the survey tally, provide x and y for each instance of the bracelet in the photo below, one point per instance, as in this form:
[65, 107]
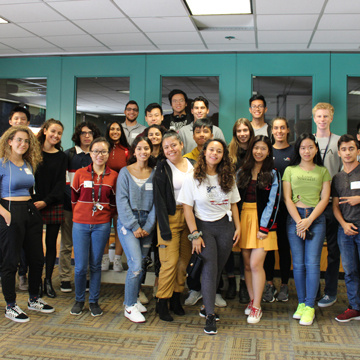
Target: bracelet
[192, 237]
[194, 231]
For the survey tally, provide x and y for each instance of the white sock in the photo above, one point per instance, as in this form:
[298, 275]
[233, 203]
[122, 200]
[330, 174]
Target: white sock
[117, 257]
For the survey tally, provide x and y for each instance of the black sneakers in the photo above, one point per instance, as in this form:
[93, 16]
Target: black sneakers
[65, 286]
[77, 308]
[95, 309]
[210, 327]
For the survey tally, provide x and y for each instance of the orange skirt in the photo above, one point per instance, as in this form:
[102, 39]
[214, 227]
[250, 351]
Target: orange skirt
[249, 229]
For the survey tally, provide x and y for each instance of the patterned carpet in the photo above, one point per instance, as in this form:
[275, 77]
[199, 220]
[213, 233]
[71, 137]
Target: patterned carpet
[111, 336]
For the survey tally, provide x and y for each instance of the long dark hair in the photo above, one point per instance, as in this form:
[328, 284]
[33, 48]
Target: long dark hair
[132, 157]
[123, 141]
[45, 126]
[225, 169]
[265, 174]
[162, 131]
[297, 158]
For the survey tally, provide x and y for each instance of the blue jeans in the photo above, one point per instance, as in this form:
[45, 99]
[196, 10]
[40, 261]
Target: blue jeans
[306, 256]
[89, 243]
[135, 250]
[350, 254]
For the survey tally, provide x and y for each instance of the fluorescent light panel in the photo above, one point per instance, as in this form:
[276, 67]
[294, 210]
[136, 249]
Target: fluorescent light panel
[3, 21]
[354, 92]
[224, 7]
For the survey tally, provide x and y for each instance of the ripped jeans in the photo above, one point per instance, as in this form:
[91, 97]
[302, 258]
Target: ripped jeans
[135, 250]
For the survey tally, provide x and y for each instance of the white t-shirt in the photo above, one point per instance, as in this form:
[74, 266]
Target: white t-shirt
[262, 131]
[209, 201]
[178, 177]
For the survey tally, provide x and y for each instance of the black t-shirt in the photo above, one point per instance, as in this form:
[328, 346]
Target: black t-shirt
[282, 158]
[176, 122]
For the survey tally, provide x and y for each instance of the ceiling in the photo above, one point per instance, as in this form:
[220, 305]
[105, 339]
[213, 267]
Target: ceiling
[67, 27]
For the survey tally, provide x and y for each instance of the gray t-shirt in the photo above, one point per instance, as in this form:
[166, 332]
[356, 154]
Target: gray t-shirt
[262, 131]
[131, 132]
[331, 159]
[348, 184]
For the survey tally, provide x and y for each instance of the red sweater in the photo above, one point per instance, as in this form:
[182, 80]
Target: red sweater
[117, 157]
[81, 196]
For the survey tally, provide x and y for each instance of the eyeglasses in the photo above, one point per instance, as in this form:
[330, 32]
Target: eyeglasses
[97, 152]
[84, 133]
[175, 101]
[132, 109]
[257, 107]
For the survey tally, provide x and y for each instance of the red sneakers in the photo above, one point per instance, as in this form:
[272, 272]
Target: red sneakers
[348, 315]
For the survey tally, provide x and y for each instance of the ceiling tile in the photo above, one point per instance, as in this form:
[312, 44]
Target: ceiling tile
[155, 8]
[232, 47]
[283, 47]
[5, 2]
[286, 22]
[339, 22]
[342, 7]
[224, 20]
[335, 47]
[72, 41]
[80, 49]
[172, 47]
[275, 37]
[218, 37]
[18, 13]
[44, 51]
[133, 48]
[53, 28]
[328, 37]
[12, 30]
[10, 52]
[108, 26]
[87, 9]
[27, 43]
[175, 37]
[267, 7]
[123, 39]
[164, 24]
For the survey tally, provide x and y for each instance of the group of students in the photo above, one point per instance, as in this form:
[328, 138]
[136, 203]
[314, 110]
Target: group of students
[259, 194]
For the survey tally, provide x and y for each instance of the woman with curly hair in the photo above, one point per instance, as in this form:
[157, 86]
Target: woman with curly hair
[243, 133]
[118, 157]
[173, 244]
[20, 221]
[259, 186]
[49, 192]
[210, 192]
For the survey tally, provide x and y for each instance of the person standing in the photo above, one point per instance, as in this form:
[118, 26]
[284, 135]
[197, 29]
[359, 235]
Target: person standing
[258, 110]
[323, 114]
[48, 198]
[77, 158]
[345, 190]
[131, 127]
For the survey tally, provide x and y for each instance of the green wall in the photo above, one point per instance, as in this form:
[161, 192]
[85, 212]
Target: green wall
[235, 71]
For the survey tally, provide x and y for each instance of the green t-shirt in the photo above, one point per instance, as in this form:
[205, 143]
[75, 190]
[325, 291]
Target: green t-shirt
[306, 185]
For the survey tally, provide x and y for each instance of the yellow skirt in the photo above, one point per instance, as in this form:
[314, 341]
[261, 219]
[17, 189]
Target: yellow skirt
[249, 229]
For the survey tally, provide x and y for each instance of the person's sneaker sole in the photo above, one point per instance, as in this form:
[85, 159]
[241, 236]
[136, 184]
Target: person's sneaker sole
[308, 322]
[136, 322]
[210, 332]
[65, 290]
[17, 320]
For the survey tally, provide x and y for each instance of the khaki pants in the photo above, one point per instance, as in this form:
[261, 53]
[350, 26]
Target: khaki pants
[66, 247]
[174, 256]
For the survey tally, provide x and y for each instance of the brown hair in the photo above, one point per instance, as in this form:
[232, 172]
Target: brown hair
[41, 136]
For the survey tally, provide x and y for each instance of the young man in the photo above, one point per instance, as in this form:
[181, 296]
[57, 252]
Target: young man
[154, 114]
[323, 114]
[200, 109]
[131, 127]
[202, 131]
[345, 190]
[257, 110]
[179, 118]
[19, 116]
[78, 157]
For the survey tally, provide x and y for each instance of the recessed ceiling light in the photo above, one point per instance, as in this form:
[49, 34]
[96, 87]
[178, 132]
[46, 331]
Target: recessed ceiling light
[224, 7]
[26, 94]
[3, 21]
[124, 91]
[354, 92]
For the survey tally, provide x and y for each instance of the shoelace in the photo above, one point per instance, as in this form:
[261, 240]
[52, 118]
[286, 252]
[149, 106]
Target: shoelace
[254, 312]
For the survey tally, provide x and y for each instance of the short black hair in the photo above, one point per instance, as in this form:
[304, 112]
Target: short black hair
[153, 106]
[257, 97]
[347, 138]
[200, 123]
[20, 109]
[132, 102]
[200, 98]
[100, 139]
[77, 131]
[358, 128]
[177, 91]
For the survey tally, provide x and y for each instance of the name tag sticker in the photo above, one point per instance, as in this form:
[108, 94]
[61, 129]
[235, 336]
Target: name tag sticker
[134, 135]
[148, 186]
[88, 184]
[354, 185]
[28, 171]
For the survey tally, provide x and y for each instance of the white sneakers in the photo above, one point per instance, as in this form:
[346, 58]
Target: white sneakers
[105, 263]
[118, 266]
[133, 314]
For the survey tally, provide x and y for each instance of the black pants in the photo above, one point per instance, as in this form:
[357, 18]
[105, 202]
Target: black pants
[25, 231]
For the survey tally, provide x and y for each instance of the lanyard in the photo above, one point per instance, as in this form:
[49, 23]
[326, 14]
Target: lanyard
[326, 149]
[93, 188]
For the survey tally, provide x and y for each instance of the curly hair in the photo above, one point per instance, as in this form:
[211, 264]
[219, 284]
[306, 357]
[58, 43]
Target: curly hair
[45, 126]
[234, 147]
[225, 169]
[77, 131]
[265, 174]
[33, 155]
[123, 141]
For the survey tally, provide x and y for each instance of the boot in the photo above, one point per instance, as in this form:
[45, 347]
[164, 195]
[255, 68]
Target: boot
[162, 309]
[175, 304]
[48, 289]
[231, 291]
[243, 293]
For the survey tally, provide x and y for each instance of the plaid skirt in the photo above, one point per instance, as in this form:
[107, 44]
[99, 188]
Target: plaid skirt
[53, 214]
